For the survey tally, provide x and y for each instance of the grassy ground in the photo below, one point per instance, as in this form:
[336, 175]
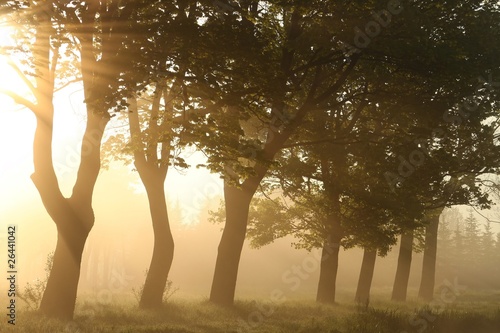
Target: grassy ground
[476, 315]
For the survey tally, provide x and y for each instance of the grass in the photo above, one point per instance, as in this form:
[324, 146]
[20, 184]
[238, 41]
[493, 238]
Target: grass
[181, 316]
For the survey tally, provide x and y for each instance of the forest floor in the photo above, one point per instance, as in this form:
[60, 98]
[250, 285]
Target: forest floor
[473, 314]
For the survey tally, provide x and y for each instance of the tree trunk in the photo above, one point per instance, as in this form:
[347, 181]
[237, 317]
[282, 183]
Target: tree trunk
[74, 217]
[426, 291]
[237, 203]
[59, 297]
[329, 263]
[400, 287]
[365, 277]
[328, 272]
[153, 171]
[163, 250]
[330, 254]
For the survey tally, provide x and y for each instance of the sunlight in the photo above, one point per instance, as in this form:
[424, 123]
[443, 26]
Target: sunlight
[9, 80]
[17, 123]
[15, 133]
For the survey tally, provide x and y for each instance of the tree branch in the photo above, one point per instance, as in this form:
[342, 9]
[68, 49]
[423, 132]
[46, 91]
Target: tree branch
[78, 79]
[343, 77]
[135, 132]
[485, 217]
[153, 128]
[19, 99]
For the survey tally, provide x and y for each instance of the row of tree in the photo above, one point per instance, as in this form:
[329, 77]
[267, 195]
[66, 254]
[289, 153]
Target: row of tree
[363, 140]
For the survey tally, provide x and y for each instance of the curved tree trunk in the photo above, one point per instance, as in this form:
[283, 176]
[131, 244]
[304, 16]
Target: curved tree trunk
[237, 200]
[163, 250]
[152, 169]
[59, 297]
[74, 217]
[365, 277]
[237, 203]
[426, 291]
[400, 288]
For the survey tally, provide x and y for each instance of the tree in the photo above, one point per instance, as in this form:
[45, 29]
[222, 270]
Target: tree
[464, 190]
[400, 287]
[458, 242]
[72, 219]
[317, 180]
[474, 266]
[426, 291]
[296, 79]
[267, 49]
[366, 276]
[471, 240]
[487, 254]
[449, 218]
[153, 141]
[54, 23]
[471, 247]
[151, 159]
[496, 257]
[175, 50]
[487, 241]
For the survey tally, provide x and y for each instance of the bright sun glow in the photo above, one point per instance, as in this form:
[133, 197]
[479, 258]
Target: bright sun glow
[16, 122]
[9, 79]
[17, 127]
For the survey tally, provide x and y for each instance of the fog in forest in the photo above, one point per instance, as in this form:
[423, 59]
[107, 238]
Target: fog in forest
[119, 247]
[250, 166]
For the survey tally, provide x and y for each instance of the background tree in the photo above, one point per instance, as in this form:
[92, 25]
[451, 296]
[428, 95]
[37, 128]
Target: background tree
[487, 255]
[310, 72]
[456, 261]
[156, 112]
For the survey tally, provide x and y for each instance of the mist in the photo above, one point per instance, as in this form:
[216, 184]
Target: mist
[250, 166]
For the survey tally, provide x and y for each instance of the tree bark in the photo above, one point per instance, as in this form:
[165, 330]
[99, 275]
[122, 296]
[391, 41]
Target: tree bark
[426, 291]
[152, 169]
[163, 249]
[59, 297]
[365, 277]
[330, 254]
[400, 288]
[328, 271]
[237, 203]
[74, 217]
